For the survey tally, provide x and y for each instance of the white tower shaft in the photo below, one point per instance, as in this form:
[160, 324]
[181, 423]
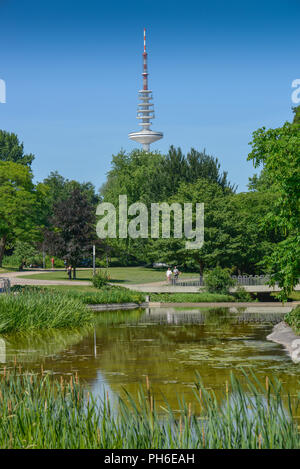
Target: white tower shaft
[145, 111]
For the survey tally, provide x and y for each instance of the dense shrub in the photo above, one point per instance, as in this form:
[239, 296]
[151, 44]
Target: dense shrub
[36, 260]
[241, 294]
[190, 297]
[293, 319]
[100, 279]
[218, 280]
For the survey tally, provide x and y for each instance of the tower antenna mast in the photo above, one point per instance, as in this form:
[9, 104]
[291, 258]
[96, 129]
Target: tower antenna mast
[145, 111]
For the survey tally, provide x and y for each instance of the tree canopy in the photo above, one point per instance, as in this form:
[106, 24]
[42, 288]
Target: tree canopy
[72, 230]
[20, 204]
[12, 150]
[278, 152]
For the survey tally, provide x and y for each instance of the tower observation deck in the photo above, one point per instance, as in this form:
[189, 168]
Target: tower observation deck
[145, 111]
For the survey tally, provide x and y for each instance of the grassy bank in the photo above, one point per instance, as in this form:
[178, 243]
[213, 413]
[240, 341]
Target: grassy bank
[28, 310]
[108, 295]
[293, 319]
[89, 295]
[191, 297]
[38, 412]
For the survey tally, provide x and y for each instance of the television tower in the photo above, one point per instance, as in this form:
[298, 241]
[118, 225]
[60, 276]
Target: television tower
[145, 111]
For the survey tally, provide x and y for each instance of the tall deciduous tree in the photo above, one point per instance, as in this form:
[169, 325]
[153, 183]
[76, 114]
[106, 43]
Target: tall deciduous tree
[278, 152]
[233, 233]
[73, 229]
[60, 188]
[12, 150]
[20, 204]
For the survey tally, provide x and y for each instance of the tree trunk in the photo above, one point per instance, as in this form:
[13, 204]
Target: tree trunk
[2, 248]
[201, 267]
[74, 273]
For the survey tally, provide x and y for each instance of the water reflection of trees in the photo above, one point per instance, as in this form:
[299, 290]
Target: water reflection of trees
[32, 346]
[35, 345]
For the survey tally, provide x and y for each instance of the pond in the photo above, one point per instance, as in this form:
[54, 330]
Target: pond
[166, 344]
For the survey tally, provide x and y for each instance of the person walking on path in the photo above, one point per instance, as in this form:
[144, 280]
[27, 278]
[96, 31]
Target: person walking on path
[169, 275]
[176, 273]
[52, 262]
[70, 272]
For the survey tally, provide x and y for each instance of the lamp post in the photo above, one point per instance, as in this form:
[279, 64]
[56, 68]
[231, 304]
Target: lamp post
[94, 260]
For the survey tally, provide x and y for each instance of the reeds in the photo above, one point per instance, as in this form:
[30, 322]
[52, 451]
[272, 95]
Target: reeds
[106, 295]
[40, 412]
[28, 310]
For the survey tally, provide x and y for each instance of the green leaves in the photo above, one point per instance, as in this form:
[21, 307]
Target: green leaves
[12, 150]
[278, 151]
[72, 232]
[19, 202]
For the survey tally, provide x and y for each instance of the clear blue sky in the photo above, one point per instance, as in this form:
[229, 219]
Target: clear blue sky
[218, 71]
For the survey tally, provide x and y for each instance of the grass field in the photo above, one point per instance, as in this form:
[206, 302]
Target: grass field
[130, 275]
[295, 296]
[5, 270]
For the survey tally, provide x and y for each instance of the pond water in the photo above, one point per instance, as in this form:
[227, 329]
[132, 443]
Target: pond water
[166, 344]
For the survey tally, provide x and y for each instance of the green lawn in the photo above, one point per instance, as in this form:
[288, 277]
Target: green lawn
[72, 288]
[5, 270]
[295, 296]
[131, 275]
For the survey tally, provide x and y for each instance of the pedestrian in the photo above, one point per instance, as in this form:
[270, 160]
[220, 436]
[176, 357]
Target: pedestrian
[70, 272]
[169, 275]
[52, 262]
[65, 264]
[176, 273]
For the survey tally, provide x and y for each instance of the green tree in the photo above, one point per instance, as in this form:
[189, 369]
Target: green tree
[20, 205]
[152, 177]
[12, 150]
[296, 111]
[234, 235]
[60, 188]
[25, 253]
[72, 231]
[278, 152]
[137, 175]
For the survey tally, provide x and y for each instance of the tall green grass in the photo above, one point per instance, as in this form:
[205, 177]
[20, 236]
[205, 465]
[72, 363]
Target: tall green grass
[200, 297]
[28, 310]
[107, 295]
[39, 412]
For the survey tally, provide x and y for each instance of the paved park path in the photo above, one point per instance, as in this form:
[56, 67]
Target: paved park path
[153, 287]
[15, 279]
